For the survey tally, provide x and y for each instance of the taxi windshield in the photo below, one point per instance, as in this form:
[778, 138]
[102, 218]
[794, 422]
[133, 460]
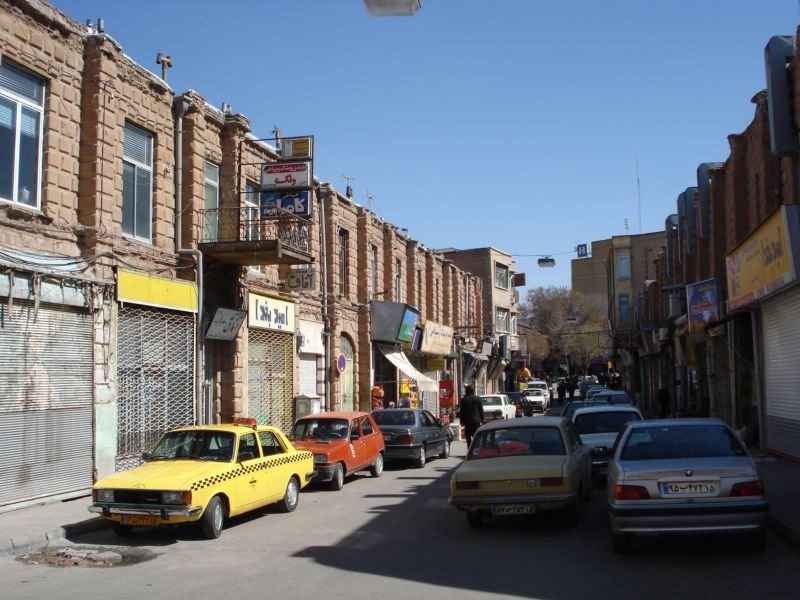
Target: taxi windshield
[196, 445]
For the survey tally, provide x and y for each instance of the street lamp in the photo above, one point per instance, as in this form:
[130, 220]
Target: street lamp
[392, 8]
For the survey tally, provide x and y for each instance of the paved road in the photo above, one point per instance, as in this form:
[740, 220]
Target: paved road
[396, 537]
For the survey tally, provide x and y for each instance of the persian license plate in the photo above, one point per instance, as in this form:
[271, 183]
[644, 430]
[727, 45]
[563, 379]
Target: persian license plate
[690, 488]
[513, 509]
[141, 520]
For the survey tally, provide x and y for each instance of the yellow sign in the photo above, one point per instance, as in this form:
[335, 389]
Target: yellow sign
[762, 264]
[142, 288]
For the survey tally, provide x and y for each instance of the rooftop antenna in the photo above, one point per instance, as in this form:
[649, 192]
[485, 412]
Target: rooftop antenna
[349, 190]
[626, 225]
[370, 199]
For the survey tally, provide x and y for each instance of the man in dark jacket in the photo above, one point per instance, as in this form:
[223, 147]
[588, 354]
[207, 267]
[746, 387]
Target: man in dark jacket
[470, 412]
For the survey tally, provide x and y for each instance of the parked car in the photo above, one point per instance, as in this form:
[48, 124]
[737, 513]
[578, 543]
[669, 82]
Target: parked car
[497, 406]
[539, 400]
[585, 385]
[613, 397]
[592, 391]
[538, 384]
[682, 477]
[342, 442]
[413, 434]
[524, 466]
[575, 405]
[598, 427]
[205, 474]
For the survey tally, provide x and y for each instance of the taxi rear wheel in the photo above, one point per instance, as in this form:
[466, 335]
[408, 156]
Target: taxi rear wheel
[291, 497]
[213, 518]
[337, 481]
[377, 468]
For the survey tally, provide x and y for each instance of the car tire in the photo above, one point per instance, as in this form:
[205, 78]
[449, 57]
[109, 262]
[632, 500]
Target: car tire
[376, 469]
[337, 481]
[213, 518]
[756, 541]
[421, 459]
[123, 530]
[445, 450]
[621, 543]
[474, 519]
[291, 497]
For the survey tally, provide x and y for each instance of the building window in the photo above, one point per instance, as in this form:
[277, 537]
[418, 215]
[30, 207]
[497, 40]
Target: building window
[373, 271]
[344, 239]
[137, 183]
[211, 202]
[623, 264]
[21, 119]
[501, 276]
[501, 320]
[251, 196]
[624, 308]
[398, 280]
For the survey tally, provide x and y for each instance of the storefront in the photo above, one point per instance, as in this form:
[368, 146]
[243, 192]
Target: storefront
[155, 362]
[434, 349]
[46, 352]
[270, 361]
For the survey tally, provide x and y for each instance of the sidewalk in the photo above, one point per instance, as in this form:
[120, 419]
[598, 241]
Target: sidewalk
[31, 528]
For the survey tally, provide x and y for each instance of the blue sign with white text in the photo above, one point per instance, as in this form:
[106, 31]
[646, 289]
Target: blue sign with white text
[583, 251]
[298, 203]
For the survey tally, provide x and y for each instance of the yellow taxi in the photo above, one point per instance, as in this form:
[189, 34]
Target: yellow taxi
[206, 474]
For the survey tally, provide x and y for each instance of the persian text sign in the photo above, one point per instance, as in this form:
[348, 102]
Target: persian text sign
[436, 339]
[282, 176]
[297, 203]
[762, 264]
[270, 313]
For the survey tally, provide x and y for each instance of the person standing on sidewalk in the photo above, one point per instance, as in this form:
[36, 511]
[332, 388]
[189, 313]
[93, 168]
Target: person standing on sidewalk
[470, 413]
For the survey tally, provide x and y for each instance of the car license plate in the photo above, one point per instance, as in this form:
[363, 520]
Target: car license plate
[689, 488]
[513, 509]
[141, 520]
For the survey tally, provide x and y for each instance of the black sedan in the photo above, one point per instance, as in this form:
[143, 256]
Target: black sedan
[413, 434]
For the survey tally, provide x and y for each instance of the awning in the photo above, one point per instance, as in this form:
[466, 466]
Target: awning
[398, 359]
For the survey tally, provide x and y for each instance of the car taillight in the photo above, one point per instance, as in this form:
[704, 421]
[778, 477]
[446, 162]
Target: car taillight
[551, 481]
[404, 439]
[631, 492]
[748, 488]
[467, 485]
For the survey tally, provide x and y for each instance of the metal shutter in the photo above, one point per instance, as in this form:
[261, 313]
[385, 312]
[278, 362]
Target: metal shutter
[155, 373]
[270, 381]
[46, 401]
[781, 322]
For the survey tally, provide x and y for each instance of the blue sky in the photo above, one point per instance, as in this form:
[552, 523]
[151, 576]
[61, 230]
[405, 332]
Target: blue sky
[518, 124]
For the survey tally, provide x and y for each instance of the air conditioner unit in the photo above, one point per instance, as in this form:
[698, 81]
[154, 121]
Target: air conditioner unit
[663, 334]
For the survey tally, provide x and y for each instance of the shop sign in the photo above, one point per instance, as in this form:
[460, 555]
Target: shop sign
[765, 262]
[270, 313]
[701, 298]
[285, 176]
[310, 337]
[296, 203]
[436, 339]
[144, 288]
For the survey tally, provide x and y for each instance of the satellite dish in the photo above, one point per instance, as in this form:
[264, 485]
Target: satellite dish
[547, 261]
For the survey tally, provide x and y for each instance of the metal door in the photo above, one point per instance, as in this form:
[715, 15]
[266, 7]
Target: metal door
[270, 384]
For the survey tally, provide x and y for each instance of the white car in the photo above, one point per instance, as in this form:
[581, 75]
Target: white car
[498, 406]
[540, 401]
[599, 426]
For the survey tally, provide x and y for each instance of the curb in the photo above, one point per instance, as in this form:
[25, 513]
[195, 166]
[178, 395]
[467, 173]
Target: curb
[28, 543]
[788, 533]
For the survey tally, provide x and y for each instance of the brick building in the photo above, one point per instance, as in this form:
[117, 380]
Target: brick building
[148, 281]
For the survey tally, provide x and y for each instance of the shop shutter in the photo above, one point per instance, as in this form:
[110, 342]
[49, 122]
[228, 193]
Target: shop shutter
[781, 323]
[46, 401]
[270, 378]
[155, 372]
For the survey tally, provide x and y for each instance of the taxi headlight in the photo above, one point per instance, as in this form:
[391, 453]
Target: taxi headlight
[104, 495]
[176, 497]
[320, 459]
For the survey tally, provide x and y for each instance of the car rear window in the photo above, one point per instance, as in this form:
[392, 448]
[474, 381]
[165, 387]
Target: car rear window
[517, 441]
[604, 422]
[490, 401]
[394, 417]
[681, 441]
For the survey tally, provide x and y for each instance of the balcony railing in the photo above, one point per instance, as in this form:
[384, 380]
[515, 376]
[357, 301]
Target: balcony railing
[244, 235]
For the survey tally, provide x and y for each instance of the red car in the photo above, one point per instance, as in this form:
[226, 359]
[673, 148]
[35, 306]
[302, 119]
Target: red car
[342, 443]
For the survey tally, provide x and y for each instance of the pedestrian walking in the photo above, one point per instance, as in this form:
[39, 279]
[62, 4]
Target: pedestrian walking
[561, 389]
[663, 402]
[470, 413]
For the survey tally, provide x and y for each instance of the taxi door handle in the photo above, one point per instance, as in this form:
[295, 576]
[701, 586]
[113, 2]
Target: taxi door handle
[252, 481]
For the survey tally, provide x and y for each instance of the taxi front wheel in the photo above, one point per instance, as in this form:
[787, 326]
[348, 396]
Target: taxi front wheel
[213, 518]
